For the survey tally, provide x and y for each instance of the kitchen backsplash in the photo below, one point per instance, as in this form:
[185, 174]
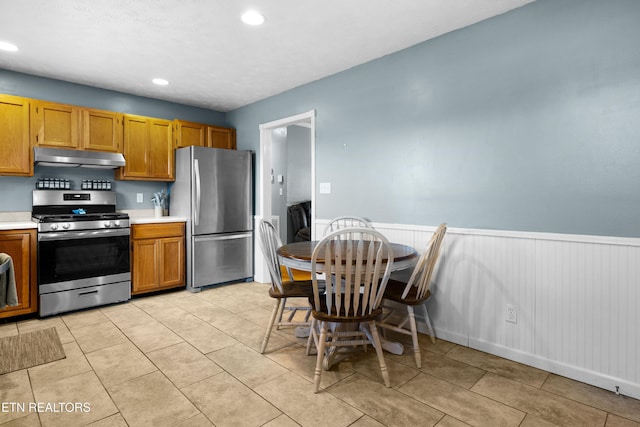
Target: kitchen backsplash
[15, 192]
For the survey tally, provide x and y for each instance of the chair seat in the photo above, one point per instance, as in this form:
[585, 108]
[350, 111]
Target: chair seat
[394, 291]
[299, 288]
[321, 313]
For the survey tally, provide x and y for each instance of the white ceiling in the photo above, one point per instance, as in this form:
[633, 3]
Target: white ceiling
[209, 56]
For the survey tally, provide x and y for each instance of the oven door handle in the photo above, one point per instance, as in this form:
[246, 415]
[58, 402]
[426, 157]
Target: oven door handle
[89, 234]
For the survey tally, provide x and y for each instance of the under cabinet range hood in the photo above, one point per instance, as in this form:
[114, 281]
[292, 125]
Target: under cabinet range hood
[60, 157]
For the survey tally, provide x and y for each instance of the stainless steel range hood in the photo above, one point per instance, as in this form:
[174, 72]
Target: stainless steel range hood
[60, 157]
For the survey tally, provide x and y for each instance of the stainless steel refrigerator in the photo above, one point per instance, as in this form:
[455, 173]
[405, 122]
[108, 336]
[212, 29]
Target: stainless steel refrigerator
[214, 191]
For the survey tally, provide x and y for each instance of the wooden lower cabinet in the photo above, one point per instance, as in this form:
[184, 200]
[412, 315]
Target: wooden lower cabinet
[22, 245]
[157, 257]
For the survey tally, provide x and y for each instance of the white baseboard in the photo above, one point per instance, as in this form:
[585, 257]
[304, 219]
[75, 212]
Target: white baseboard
[596, 379]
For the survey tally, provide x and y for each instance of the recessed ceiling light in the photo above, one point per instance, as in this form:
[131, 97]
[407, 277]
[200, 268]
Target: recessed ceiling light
[160, 82]
[252, 18]
[9, 47]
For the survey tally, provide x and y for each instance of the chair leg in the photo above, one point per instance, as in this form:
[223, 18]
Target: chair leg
[320, 357]
[312, 336]
[378, 345]
[281, 312]
[414, 336]
[267, 334]
[427, 320]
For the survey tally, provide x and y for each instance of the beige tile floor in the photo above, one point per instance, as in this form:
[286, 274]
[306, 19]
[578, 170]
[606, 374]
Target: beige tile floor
[182, 359]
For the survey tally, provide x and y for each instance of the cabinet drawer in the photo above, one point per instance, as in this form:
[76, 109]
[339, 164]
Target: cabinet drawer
[76, 299]
[155, 231]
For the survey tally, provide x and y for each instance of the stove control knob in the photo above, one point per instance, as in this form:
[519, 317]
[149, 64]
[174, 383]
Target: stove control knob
[107, 224]
[66, 225]
[116, 223]
[54, 227]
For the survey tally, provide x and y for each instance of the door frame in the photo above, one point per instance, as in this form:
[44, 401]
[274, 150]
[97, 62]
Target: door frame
[306, 119]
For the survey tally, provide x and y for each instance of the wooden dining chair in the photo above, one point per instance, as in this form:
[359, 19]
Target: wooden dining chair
[356, 263]
[413, 293]
[281, 290]
[346, 222]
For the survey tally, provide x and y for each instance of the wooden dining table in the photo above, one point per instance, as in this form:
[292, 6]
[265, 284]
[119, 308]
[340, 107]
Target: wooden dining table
[297, 256]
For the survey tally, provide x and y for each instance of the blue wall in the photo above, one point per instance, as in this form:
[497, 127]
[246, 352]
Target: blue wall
[527, 121]
[15, 192]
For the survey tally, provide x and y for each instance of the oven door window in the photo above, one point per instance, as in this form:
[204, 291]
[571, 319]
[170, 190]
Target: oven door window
[64, 260]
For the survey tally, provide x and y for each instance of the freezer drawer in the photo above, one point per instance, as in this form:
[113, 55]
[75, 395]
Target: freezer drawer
[222, 258]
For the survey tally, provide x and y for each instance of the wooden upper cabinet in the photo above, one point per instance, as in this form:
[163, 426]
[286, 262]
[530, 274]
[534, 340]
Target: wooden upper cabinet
[55, 125]
[15, 149]
[102, 130]
[219, 137]
[190, 133]
[148, 149]
[67, 126]
[162, 155]
[135, 148]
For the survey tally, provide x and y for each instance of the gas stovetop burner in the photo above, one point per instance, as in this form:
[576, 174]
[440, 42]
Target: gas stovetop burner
[61, 210]
[45, 218]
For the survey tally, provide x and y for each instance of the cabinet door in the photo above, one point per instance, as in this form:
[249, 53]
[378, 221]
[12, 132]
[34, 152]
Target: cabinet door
[148, 149]
[15, 148]
[21, 246]
[171, 265]
[144, 275]
[135, 148]
[55, 125]
[161, 153]
[219, 137]
[190, 133]
[102, 130]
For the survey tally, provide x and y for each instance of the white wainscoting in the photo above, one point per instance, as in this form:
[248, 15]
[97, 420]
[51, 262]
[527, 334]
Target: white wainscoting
[577, 299]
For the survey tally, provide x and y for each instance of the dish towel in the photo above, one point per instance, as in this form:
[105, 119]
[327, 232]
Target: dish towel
[8, 292]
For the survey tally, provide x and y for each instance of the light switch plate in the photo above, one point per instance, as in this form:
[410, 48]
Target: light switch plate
[139, 197]
[325, 188]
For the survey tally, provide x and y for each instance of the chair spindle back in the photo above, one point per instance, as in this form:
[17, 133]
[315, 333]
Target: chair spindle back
[346, 222]
[357, 265]
[421, 276]
[269, 244]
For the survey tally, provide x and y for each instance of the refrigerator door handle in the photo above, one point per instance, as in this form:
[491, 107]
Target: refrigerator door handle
[223, 237]
[196, 215]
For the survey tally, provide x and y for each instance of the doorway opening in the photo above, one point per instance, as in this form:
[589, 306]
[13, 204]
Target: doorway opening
[270, 181]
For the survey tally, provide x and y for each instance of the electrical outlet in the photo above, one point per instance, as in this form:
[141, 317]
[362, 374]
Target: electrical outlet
[511, 315]
[139, 197]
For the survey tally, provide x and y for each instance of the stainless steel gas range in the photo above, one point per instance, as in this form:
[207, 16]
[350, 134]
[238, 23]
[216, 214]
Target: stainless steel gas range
[83, 250]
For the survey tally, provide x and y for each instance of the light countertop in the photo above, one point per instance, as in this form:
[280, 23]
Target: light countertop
[147, 216]
[153, 220]
[22, 220]
[17, 225]
[16, 221]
